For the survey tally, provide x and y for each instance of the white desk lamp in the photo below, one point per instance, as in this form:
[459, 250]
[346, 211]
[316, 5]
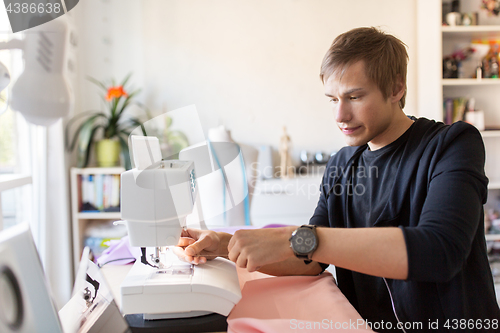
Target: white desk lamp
[41, 93]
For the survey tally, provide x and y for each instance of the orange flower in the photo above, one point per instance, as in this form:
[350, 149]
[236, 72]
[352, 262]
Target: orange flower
[115, 92]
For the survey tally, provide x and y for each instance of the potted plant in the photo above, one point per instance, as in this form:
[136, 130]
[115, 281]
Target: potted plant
[114, 125]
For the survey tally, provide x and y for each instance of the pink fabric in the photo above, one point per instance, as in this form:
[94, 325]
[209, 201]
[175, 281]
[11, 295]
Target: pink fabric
[292, 304]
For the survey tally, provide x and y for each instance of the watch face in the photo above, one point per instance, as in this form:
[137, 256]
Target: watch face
[304, 241]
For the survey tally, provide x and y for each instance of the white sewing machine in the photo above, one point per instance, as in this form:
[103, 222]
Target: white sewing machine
[157, 196]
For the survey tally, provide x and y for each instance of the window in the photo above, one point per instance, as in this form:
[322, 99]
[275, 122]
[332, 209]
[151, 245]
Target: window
[14, 140]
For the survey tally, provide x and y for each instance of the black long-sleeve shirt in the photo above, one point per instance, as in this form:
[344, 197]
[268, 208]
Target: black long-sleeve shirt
[434, 190]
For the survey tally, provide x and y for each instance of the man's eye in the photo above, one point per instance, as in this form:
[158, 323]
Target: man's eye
[333, 100]
[353, 98]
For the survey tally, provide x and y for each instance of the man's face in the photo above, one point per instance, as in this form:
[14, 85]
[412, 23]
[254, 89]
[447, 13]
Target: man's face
[361, 112]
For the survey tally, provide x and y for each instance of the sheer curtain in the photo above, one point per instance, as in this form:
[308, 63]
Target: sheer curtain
[51, 214]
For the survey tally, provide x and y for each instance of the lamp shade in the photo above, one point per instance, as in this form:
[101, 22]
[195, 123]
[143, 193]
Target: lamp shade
[41, 93]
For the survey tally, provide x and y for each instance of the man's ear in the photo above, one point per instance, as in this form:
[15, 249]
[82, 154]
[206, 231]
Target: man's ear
[398, 90]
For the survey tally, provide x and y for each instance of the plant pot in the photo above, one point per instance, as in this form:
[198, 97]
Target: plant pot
[108, 153]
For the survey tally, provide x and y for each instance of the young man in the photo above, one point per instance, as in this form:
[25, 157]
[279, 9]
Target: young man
[401, 210]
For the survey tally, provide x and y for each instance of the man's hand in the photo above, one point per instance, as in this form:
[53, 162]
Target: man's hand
[252, 249]
[196, 246]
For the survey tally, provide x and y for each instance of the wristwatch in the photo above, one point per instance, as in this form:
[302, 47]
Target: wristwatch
[304, 242]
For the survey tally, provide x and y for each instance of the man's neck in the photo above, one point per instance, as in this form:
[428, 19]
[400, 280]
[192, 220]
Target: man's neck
[397, 128]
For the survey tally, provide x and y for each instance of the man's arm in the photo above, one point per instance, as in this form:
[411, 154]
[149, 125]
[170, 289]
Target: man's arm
[373, 251]
[196, 246]
[291, 266]
[451, 217]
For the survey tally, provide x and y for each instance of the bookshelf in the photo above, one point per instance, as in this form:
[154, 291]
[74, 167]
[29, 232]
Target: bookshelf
[472, 31]
[470, 82]
[492, 237]
[95, 202]
[447, 40]
[494, 186]
[490, 134]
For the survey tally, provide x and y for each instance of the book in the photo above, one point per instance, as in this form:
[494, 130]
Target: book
[115, 195]
[99, 184]
[454, 109]
[459, 109]
[99, 193]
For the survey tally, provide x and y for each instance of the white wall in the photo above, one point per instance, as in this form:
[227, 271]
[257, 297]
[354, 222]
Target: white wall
[251, 65]
[110, 46]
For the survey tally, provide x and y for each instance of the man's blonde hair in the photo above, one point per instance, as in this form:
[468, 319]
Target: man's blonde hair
[384, 56]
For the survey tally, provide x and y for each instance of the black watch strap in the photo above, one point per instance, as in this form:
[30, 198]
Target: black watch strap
[302, 256]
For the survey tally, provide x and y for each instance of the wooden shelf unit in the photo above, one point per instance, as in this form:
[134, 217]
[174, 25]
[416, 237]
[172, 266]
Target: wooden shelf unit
[80, 220]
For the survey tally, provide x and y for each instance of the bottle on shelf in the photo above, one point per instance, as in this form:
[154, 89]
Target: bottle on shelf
[494, 62]
[479, 71]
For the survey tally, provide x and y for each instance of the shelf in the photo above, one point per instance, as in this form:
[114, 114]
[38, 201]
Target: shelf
[98, 171]
[100, 216]
[492, 237]
[494, 186]
[470, 28]
[469, 82]
[473, 31]
[491, 134]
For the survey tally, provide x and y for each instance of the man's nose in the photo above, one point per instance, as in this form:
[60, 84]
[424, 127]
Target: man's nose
[343, 113]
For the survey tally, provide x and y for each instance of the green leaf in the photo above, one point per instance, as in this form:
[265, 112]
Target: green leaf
[133, 123]
[114, 105]
[85, 126]
[127, 101]
[89, 146]
[145, 109]
[168, 121]
[70, 122]
[125, 150]
[124, 82]
[97, 83]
